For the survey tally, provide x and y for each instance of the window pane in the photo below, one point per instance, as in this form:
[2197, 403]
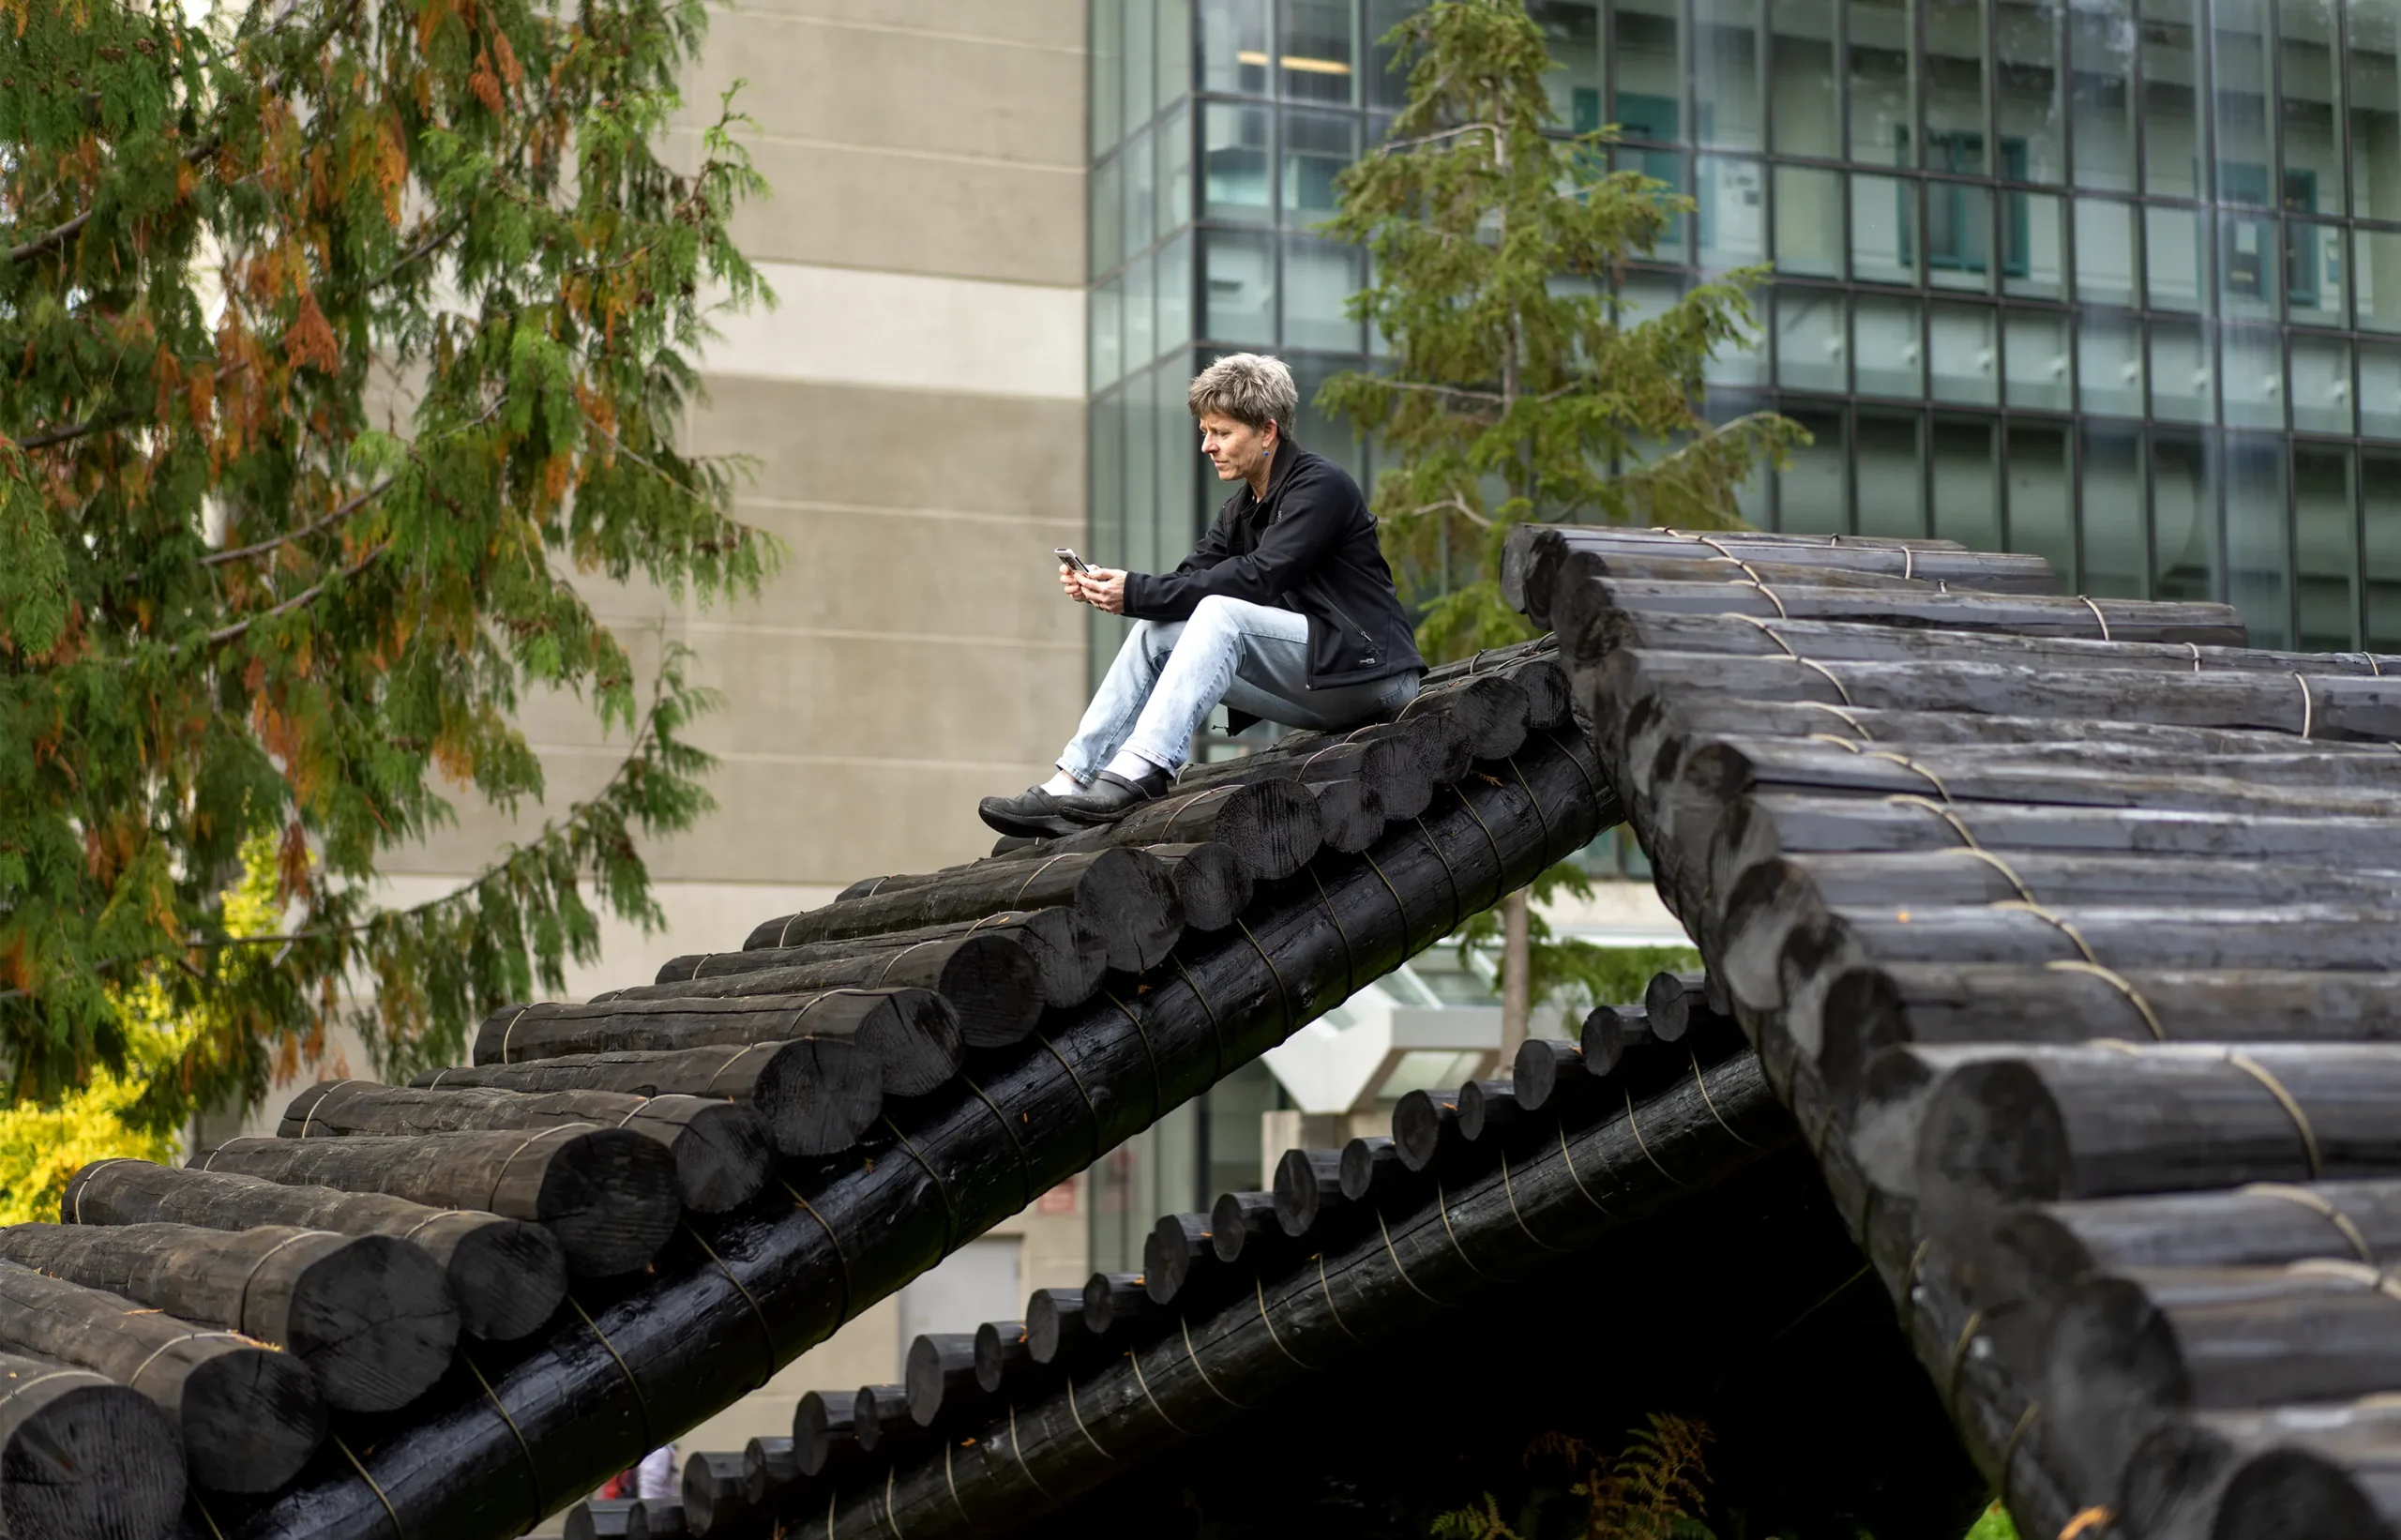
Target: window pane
[2326, 561]
[2028, 99]
[2031, 263]
[1571, 28]
[1801, 54]
[1107, 336]
[1884, 341]
[1808, 224]
[2375, 277]
[2108, 365]
[1107, 70]
[1108, 216]
[1172, 26]
[1234, 161]
[1149, 547]
[1813, 492]
[1320, 52]
[1142, 339]
[1650, 71]
[1241, 288]
[1388, 84]
[1317, 147]
[2035, 354]
[1174, 293]
[2375, 99]
[2180, 373]
[2104, 252]
[2113, 530]
[2035, 472]
[1320, 277]
[2254, 374]
[1955, 73]
[2183, 519]
[2172, 253]
[1726, 97]
[2170, 76]
[1967, 492]
[1233, 46]
[2381, 543]
[2241, 59]
[1965, 354]
[1142, 61]
[1740, 364]
[1882, 229]
[2311, 127]
[1142, 171]
[1326, 435]
[1173, 178]
[2379, 393]
[1666, 167]
[1880, 83]
[1959, 232]
[1731, 202]
[1809, 344]
[2250, 246]
[2314, 273]
[1891, 479]
[2258, 557]
[2321, 384]
[2101, 40]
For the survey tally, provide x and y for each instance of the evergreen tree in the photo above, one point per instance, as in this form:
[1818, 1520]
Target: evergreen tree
[1513, 387]
[346, 336]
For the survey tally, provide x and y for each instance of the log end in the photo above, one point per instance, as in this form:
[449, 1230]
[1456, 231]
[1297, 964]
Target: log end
[371, 1316]
[724, 1152]
[507, 1276]
[1418, 1122]
[995, 988]
[1991, 1137]
[251, 1417]
[915, 1035]
[2112, 1374]
[90, 1458]
[998, 1344]
[819, 1094]
[2281, 1492]
[610, 1200]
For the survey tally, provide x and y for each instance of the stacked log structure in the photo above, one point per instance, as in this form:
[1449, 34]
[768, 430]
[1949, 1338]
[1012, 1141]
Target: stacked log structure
[1133, 1364]
[628, 1210]
[2070, 932]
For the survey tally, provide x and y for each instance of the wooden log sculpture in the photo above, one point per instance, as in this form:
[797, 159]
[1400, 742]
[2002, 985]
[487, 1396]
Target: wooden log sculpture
[1371, 1166]
[1425, 1127]
[371, 1317]
[939, 1374]
[1351, 813]
[879, 1417]
[1296, 1321]
[1309, 1191]
[1127, 896]
[1001, 1354]
[1242, 1225]
[82, 1457]
[1493, 709]
[249, 1416]
[1675, 1003]
[722, 1150]
[1055, 1332]
[1068, 951]
[1179, 1261]
[2253, 1474]
[716, 1494]
[608, 1197]
[913, 1033]
[1396, 764]
[768, 1468]
[1609, 1032]
[825, 1433]
[1549, 1070]
[816, 1095]
[1490, 1109]
[990, 980]
[771, 1279]
[1271, 825]
[506, 1276]
[1114, 1302]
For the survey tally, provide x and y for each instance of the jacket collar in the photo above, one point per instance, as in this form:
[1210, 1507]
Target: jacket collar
[1289, 453]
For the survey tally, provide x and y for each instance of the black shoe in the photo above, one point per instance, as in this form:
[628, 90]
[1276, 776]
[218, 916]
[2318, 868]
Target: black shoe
[1034, 814]
[1111, 797]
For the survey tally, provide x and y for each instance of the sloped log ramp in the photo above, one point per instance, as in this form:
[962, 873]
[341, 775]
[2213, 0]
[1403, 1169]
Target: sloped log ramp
[733, 1298]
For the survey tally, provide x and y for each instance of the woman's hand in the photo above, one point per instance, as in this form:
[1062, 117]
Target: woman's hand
[1103, 588]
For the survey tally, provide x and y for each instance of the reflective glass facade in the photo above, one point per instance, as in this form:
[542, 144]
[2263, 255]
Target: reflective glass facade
[2118, 282]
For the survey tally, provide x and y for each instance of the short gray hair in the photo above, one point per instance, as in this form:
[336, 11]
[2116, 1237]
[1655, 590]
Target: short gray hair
[1249, 387]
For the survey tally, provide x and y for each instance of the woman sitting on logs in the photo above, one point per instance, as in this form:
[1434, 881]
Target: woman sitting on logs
[1285, 612]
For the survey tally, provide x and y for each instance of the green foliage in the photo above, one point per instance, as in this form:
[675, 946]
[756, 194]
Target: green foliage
[1651, 1489]
[345, 336]
[1514, 386]
[1996, 1524]
[1563, 967]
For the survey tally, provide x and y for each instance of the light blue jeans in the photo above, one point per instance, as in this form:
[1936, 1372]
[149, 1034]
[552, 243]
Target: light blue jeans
[1254, 657]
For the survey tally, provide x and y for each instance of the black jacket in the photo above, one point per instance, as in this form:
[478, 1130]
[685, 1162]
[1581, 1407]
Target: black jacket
[1309, 545]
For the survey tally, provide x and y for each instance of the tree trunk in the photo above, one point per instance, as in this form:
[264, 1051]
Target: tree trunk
[1517, 971]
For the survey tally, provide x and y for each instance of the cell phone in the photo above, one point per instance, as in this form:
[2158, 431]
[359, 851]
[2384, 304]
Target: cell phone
[1068, 557]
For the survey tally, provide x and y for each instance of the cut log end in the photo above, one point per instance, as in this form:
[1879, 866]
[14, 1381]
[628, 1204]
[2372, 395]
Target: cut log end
[1421, 1121]
[1000, 1347]
[2282, 1492]
[1308, 1188]
[86, 1460]
[373, 1319]
[724, 1154]
[824, 1433]
[915, 1035]
[611, 1198]
[507, 1276]
[251, 1417]
[819, 1094]
[1365, 1162]
[1543, 1065]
